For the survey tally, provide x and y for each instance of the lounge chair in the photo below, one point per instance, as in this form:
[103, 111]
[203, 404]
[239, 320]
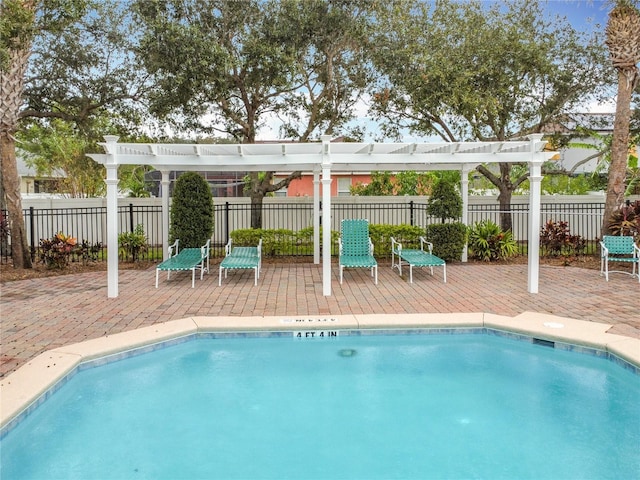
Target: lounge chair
[619, 249]
[356, 248]
[415, 258]
[239, 258]
[186, 259]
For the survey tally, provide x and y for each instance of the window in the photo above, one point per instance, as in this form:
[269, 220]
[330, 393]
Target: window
[344, 186]
[283, 191]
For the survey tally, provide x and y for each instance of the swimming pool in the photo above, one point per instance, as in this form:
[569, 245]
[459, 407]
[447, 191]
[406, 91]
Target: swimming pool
[351, 406]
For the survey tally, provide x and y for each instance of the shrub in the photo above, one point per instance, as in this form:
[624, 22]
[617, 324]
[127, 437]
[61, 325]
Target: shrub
[448, 240]
[488, 242]
[191, 211]
[89, 253]
[56, 252]
[626, 220]
[556, 240]
[445, 202]
[133, 244]
[381, 234]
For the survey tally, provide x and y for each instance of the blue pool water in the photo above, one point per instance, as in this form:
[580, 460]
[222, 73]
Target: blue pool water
[352, 407]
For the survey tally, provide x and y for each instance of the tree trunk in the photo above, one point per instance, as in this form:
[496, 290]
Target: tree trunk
[504, 197]
[11, 186]
[11, 89]
[257, 195]
[619, 151]
[256, 209]
[506, 189]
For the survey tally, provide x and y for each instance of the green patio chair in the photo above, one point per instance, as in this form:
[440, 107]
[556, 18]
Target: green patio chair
[241, 258]
[356, 248]
[619, 249]
[186, 259]
[415, 258]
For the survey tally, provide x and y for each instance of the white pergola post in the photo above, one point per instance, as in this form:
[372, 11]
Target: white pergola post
[535, 180]
[316, 216]
[111, 165]
[326, 215]
[464, 187]
[164, 187]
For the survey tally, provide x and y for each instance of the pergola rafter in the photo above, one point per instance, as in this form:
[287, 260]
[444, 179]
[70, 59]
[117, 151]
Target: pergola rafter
[321, 159]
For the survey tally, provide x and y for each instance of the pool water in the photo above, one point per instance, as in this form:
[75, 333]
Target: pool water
[352, 407]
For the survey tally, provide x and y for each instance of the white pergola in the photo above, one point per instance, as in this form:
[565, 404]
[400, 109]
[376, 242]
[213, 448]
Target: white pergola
[321, 158]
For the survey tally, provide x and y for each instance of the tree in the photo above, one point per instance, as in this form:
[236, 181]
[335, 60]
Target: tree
[192, 211]
[445, 202]
[448, 237]
[226, 66]
[57, 148]
[623, 41]
[64, 59]
[402, 183]
[17, 27]
[477, 71]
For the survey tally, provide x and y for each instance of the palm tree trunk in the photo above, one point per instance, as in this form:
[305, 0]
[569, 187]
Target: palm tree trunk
[11, 187]
[11, 88]
[619, 151]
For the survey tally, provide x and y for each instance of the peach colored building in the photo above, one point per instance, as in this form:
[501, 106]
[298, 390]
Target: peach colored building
[340, 185]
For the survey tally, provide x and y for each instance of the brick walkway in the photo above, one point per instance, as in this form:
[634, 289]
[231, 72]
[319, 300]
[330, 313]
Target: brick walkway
[38, 315]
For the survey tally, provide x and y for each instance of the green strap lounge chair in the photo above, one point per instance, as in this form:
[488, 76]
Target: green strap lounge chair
[186, 259]
[415, 258]
[241, 258]
[356, 248]
[619, 249]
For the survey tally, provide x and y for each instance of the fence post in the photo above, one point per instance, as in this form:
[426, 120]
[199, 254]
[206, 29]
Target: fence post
[411, 210]
[226, 223]
[32, 233]
[131, 227]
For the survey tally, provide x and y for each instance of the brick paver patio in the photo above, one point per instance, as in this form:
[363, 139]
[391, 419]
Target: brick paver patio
[38, 315]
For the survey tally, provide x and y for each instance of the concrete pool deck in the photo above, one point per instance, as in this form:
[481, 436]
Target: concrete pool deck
[51, 325]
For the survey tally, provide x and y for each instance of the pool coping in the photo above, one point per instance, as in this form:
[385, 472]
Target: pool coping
[23, 388]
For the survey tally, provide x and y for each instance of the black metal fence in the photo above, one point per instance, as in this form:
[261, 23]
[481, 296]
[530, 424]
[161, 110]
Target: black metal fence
[89, 224]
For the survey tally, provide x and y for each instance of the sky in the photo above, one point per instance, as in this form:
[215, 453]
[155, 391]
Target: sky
[581, 13]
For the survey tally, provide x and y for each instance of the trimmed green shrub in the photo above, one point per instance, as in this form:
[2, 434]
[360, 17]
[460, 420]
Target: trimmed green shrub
[191, 211]
[282, 242]
[450, 236]
[381, 234]
[488, 242]
[445, 202]
[448, 240]
[279, 242]
[304, 238]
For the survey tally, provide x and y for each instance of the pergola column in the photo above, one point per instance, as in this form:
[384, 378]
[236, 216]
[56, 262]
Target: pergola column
[111, 165]
[316, 215]
[164, 187]
[535, 180]
[326, 215]
[464, 187]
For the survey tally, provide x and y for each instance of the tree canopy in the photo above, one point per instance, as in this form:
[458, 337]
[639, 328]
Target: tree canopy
[472, 71]
[228, 67]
